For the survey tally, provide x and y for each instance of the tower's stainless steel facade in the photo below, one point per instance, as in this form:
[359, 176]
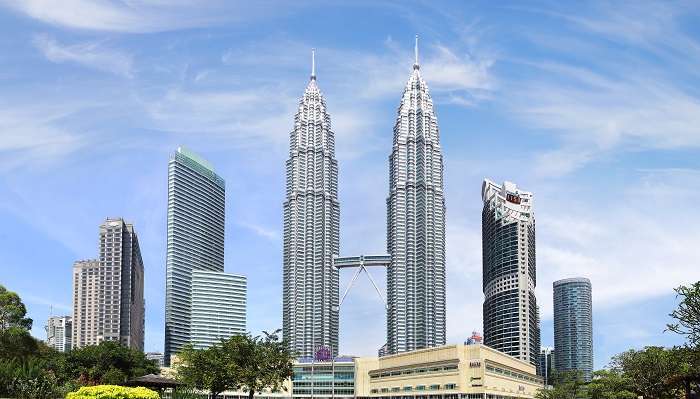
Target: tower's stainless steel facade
[311, 230]
[416, 225]
[196, 200]
[573, 326]
[511, 315]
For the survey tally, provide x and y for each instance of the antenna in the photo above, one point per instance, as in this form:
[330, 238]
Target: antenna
[313, 63]
[416, 50]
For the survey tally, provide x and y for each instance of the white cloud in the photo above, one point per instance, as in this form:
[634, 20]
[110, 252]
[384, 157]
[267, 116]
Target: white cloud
[261, 231]
[137, 16]
[90, 54]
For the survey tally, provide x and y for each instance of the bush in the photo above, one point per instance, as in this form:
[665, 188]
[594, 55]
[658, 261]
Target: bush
[113, 392]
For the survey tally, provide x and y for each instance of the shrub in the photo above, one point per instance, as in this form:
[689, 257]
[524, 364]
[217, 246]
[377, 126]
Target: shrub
[113, 392]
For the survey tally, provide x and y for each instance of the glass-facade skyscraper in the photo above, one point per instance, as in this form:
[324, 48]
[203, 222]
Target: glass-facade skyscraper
[511, 315]
[218, 307]
[416, 314]
[196, 200]
[573, 326]
[310, 296]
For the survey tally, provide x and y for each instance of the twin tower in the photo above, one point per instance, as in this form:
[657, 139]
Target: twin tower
[415, 227]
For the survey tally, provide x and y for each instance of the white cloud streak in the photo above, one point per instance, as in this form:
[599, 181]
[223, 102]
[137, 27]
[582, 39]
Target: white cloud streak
[91, 54]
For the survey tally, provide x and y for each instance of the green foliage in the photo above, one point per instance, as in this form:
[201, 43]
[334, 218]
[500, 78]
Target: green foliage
[108, 362]
[113, 392]
[687, 314]
[567, 385]
[649, 371]
[239, 362]
[259, 363]
[206, 369]
[610, 384]
[187, 392]
[28, 379]
[12, 311]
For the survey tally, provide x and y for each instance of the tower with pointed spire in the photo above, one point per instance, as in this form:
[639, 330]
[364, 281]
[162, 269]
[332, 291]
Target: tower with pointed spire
[311, 229]
[416, 224]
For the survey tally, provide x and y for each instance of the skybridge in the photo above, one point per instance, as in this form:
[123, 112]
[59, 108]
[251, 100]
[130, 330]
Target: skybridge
[361, 263]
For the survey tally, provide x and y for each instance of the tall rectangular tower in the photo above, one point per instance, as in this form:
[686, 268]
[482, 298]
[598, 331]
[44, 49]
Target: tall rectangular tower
[511, 316]
[311, 230]
[196, 201]
[59, 333]
[573, 326]
[416, 225]
[108, 301]
[218, 307]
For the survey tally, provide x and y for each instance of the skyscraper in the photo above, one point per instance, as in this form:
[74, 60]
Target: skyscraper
[546, 367]
[59, 333]
[311, 229]
[416, 224]
[196, 200]
[108, 302]
[511, 316]
[573, 326]
[218, 307]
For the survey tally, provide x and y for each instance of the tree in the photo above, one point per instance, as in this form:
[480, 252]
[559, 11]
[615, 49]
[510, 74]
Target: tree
[687, 314]
[566, 385]
[206, 369]
[649, 370]
[259, 363]
[610, 384]
[107, 362]
[12, 311]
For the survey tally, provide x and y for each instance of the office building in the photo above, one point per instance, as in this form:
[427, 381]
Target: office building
[195, 239]
[573, 326]
[323, 379]
[546, 366]
[108, 301]
[416, 224]
[511, 316]
[310, 296]
[156, 357]
[218, 307]
[59, 333]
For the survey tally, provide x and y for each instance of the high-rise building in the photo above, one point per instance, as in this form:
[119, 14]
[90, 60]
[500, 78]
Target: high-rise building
[573, 326]
[511, 316]
[196, 201]
[155, 356]
[311, 229]
[108, 302]
[546, 366]
[59, 333]
[416, 224]
[218, 307]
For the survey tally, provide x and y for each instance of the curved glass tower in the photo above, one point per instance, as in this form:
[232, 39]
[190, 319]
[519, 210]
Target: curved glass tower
[311, 230]
[573, 326]
[416, 224]
[511, 315]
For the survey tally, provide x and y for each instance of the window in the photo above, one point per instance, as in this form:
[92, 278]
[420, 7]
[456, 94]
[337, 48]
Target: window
[450, 386]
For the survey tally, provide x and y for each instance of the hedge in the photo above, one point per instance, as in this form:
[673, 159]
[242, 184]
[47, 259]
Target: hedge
[113, 392]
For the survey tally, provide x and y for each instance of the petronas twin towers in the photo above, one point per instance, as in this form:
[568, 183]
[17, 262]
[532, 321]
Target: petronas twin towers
[415, 227]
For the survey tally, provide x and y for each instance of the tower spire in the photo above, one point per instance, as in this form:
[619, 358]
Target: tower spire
[415, 53]
[313, 64]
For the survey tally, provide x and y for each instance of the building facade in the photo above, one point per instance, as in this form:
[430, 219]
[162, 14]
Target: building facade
[108, 301]
[447, 372]
[59, 333]
[156, 357]
[218, 307]
[573, 326]
[416, 314]
[310, 296]
[195, 239]
[546, 367]
[511, 315]
[327, 379]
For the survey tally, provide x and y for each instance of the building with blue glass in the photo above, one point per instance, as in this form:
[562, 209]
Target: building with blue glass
[573, 326]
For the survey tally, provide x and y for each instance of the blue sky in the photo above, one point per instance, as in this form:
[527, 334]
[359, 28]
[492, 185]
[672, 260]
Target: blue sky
[594, 107]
